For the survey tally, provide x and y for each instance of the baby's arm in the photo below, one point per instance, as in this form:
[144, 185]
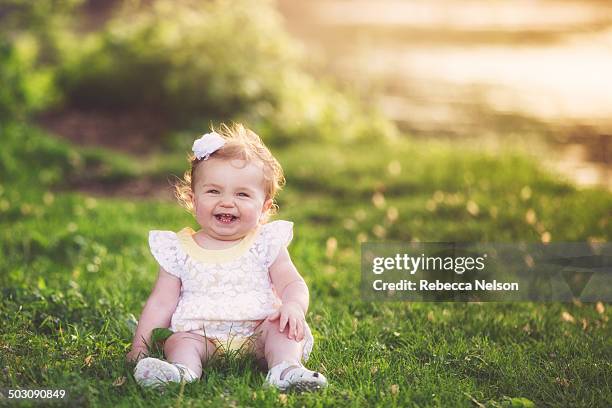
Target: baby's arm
[293, 291]
[156, 313]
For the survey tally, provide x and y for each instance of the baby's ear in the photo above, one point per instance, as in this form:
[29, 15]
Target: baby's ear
[267, 205]
[193, 200]
[265, 210]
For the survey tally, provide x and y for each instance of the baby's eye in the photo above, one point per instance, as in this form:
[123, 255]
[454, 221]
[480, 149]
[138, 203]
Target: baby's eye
[212, 191]
[243, 194]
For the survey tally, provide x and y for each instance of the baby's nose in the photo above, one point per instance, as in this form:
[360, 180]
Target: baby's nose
[227, 201]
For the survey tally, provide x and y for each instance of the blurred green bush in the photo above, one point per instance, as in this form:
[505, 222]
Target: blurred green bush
[188, 63]
[193, 63]
[179, 59]
[25, 88]
[28, 54]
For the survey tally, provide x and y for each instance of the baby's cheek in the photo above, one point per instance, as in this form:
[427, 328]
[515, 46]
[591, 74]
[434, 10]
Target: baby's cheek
[199, 215]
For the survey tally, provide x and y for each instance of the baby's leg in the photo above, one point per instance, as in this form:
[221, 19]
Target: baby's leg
[189, 349]
[284, 356]
[274, 346]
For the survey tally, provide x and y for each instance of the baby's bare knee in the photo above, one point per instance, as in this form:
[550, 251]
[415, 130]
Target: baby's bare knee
[268, 325]
[271, 331]
[178, 339]
[266, 328]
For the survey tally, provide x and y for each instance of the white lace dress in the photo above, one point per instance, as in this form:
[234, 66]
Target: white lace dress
[227, 292]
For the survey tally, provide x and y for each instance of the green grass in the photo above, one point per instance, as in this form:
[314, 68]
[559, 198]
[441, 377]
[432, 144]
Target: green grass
[76, 269]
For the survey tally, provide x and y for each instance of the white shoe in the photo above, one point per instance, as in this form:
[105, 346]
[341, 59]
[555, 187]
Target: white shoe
[296, 377]
[152, 372]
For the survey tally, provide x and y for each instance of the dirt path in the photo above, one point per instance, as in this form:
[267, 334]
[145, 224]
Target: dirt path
[133, 132]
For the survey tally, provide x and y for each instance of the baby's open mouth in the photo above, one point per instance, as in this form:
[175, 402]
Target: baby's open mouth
[226, 218]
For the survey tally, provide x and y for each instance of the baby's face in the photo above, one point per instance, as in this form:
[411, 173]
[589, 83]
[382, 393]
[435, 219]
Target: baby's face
[229, 197]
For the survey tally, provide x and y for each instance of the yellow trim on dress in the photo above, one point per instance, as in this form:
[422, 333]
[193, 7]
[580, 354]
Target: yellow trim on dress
[209, 256]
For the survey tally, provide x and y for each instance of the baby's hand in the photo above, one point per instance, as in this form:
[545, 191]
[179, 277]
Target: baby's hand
[136, 354]
[292, 313]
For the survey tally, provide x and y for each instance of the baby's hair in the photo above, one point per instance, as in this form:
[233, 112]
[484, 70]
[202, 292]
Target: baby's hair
[240, 144]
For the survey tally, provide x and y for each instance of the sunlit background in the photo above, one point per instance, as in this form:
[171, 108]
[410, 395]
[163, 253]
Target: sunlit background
[518, 70]
[527, 73]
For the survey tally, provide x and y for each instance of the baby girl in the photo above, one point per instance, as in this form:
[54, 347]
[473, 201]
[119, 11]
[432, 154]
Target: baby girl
[231, 285]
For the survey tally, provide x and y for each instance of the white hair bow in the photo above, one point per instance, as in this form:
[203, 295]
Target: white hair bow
[207, 145]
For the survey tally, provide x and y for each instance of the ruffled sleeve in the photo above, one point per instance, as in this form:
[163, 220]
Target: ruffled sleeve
[167, 252]
[276, 235]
